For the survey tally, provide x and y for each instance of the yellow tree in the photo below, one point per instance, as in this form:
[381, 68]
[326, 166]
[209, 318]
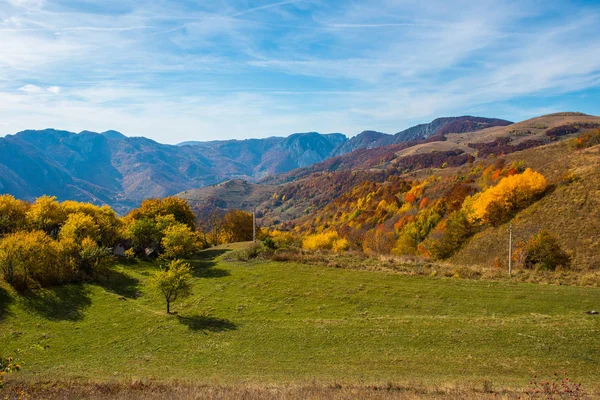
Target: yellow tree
[79, 226]
[511, 193]
[179, 241]
[13, 214]
[173, 282]
[46, 214]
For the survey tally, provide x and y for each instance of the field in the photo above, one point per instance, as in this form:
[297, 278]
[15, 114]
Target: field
[268, 323]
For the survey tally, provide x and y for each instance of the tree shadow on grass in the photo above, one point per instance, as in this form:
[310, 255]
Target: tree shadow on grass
[5, 301]
[203, 264]
[63, 303]
[206, 323]
[121, 284]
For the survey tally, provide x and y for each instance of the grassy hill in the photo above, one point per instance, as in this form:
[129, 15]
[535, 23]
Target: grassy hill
[284, 323]
[571, 208]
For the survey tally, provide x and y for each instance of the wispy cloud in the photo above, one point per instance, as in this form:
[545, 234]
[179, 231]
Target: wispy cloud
[175, 71]
[264, 7]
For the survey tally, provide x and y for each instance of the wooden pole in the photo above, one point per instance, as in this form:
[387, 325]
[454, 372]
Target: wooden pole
[254, 225]
[510, 249]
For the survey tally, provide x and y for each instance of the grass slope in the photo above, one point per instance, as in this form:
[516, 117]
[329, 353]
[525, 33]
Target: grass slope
[570, 209]
[266, 322]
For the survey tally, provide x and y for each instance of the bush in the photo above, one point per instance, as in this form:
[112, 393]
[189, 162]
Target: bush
[340, 245]
[543, 252]
[249, 253]
[285, 239]
[287, 254]
[448, 237]
[320, 241]
[269, 243]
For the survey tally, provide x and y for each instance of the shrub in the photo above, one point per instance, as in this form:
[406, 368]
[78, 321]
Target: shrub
[7, 366]
[340, 245]
[287, 254]
[543, 252]
[269, 243]
[447, 237]
[285, 239]
[320, 241]
[558, 387]
[249, 253]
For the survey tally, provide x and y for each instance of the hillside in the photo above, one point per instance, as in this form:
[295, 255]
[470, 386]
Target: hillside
[390, 189]
[571, 209]
[311, 188]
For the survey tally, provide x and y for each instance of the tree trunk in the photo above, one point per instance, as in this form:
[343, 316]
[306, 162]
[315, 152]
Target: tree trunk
[168, 307]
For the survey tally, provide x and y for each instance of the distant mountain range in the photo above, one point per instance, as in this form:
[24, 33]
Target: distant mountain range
[437, 127]
[111, 168]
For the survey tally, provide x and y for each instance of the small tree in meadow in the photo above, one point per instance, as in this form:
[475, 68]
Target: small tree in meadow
[173, 282]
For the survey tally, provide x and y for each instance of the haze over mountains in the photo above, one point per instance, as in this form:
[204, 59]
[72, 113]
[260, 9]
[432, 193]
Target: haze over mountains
[111, 168]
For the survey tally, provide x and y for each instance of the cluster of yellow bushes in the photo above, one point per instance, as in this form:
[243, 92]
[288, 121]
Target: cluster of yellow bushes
[513, 192]
[325, 241]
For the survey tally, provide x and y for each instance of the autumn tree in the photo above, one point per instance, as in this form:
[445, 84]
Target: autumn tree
[417, 230]
[179, 241]
[31, 257]
[175, 206]
[79, 226]
[46, 214]
[379, 241]
[447, 237]
[236, 227]
[497, 203]
[108, 223]
[173, 282]
[13, 214]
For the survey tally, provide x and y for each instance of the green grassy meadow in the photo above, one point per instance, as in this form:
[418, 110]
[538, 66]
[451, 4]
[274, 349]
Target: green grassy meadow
[269, 322]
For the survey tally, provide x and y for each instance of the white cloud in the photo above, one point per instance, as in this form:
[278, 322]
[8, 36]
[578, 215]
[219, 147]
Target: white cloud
[31, 89]
[54, 89]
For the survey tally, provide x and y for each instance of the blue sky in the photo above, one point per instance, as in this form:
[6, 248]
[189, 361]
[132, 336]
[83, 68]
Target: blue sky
[220, 69]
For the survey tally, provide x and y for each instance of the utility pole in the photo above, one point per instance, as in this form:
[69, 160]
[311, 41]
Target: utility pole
[510, 249]
[254, 225]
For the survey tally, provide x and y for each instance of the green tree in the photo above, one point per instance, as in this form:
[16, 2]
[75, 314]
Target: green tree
[144, 233]
[173, 282]
[447, 237]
